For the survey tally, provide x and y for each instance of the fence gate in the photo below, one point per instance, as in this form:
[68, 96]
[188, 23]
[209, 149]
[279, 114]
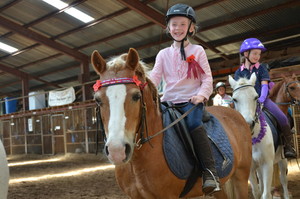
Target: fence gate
[58, 137]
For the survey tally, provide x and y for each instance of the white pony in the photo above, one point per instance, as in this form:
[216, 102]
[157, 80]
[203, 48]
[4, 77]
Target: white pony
[4, 173]
[263, 154]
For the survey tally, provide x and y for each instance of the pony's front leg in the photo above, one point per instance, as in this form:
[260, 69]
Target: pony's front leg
[254, 183]
[283, 177]
[265, 175]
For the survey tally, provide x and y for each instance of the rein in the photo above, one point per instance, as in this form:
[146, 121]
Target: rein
[143, 123]
[144, 140]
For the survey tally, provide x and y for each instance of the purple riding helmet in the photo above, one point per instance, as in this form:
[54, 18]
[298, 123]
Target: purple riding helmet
[252, 43]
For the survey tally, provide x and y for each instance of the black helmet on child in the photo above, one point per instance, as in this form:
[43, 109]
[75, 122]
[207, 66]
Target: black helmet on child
[181, 10]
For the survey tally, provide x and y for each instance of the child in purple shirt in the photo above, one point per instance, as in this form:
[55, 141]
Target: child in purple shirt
[188, 82]
[251, 49]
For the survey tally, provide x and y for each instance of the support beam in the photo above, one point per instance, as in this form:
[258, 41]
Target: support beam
[145, 11]
[25, 92]
[22, 75]
[83, 78]
[41, 39]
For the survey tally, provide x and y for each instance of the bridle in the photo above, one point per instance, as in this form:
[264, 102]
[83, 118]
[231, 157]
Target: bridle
[289, 95]
[115, 81]
[257, 115]
[140, 139]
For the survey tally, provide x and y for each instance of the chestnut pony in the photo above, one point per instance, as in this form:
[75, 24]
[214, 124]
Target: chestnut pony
[286, 93]
[129, 105]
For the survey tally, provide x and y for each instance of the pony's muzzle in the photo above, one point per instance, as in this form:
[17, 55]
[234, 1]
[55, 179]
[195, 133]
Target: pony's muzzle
[118, 154]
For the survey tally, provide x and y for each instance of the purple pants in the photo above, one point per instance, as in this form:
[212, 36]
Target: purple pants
[277, 112]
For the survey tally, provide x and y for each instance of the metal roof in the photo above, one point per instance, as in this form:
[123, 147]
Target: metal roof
[53, 45]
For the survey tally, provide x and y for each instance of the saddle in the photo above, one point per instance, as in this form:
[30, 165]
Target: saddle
[178, 150]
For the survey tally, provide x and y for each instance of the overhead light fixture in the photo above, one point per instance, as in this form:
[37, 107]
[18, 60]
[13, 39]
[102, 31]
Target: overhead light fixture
[7, 48]
[71, 11]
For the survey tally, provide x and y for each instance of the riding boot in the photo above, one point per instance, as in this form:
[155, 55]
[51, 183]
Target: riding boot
[289, 151]
[206, 160]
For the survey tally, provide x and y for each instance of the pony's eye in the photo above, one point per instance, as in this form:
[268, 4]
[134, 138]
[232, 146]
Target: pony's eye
[292, 88]
[256, 97]
[136, 97]
[235, 100]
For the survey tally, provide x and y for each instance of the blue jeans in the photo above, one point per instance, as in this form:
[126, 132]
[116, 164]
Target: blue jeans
[194, 119]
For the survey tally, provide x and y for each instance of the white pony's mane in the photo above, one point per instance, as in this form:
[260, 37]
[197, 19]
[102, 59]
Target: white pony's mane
[242, 81]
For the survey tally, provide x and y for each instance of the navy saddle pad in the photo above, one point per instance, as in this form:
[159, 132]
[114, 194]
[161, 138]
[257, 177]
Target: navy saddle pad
[271, 121]
[181, 163]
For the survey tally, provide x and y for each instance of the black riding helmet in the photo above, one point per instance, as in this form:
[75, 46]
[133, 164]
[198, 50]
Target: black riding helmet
[181, 10]
[184, 11]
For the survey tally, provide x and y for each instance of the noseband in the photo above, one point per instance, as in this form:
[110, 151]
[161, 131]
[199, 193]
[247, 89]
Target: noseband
[115, 81]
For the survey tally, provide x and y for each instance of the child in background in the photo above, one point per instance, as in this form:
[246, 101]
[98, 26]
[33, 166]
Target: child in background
[221, 98]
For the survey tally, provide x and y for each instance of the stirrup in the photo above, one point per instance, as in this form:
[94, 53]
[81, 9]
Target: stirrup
[217, 188]
[289, 152]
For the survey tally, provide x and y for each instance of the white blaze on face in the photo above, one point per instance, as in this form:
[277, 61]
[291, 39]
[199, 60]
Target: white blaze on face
[116, 126]
[246, 103]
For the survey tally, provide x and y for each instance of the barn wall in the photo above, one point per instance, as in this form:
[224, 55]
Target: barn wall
[67, 131]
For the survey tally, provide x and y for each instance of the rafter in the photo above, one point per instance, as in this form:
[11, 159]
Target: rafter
[41, 39]
[23, 75]
[159, 19]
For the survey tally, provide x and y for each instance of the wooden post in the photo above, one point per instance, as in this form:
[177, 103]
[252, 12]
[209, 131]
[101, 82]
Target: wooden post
[25, 91]
[83, 78]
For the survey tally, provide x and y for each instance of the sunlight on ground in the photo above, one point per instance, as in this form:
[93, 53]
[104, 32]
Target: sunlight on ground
[33, 162]
[293, 167]
[59, 175]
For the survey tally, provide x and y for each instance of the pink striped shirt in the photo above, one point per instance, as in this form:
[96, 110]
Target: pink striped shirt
[170, 67]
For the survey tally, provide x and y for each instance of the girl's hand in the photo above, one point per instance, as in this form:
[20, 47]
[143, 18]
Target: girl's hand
[197, 99]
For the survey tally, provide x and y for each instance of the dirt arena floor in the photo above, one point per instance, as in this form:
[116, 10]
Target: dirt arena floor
[80, 176]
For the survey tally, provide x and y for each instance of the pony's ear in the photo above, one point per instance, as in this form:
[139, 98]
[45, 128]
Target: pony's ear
[98, 63]
[294, 76]
[253, 79]
[231, 81]
[132, 59]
